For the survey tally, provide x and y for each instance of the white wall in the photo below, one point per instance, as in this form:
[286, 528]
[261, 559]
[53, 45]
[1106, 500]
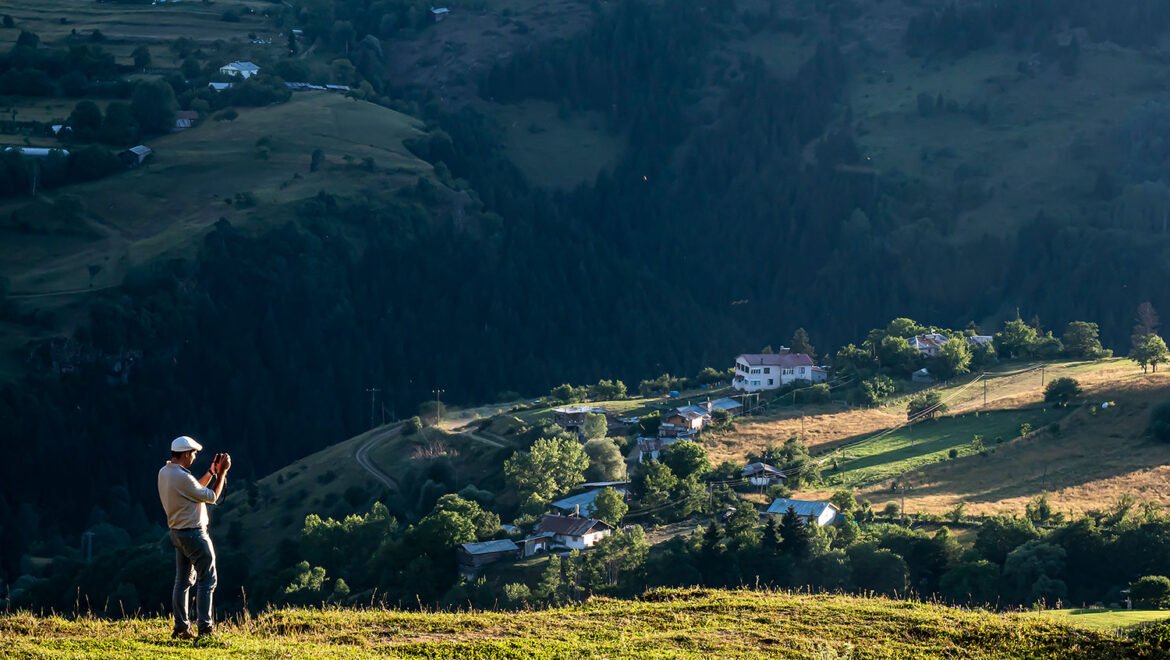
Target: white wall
[759, 381]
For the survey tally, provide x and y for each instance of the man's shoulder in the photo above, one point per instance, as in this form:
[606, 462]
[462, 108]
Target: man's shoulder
[172, 470]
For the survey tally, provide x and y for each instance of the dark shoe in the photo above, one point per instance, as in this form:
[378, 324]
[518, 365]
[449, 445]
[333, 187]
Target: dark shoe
[206, 637]
[182, 634]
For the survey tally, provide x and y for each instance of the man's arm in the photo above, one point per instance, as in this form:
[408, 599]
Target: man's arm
[221, 469]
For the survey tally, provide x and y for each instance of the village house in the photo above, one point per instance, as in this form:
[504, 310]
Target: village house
[922, 376]
[474, 556]
[678, 431]
[929, 344]
[762, 474]
[980, 340]
[572, 418]
[440, 13]
[756, 372]
[727, 405]
[582, 503]
[649, 449]
[243, 70]
[135, 156]
[573, 532]
[536, 544]
[688, 418]
[185, 119]
[37, 152]
[219, 86]
[820, 513]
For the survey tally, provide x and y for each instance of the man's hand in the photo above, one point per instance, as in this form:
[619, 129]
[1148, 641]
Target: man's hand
[220, 466]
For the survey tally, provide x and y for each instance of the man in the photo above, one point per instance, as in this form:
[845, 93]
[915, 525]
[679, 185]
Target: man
[185, 500]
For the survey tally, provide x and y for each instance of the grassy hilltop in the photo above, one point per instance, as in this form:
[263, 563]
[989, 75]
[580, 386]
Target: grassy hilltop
[667, 624]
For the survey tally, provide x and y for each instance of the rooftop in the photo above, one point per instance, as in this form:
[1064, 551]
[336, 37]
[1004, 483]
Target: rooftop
[786, 360]
[803, 508]
[489, 547]
[757, 468]
[570, 525]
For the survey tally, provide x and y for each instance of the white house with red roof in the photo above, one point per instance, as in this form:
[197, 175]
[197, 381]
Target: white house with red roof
[757, 372]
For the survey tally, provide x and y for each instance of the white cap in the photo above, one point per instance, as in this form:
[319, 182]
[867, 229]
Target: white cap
[185, 443]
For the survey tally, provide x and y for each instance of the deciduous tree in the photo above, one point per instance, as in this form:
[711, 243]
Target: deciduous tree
[552, 467]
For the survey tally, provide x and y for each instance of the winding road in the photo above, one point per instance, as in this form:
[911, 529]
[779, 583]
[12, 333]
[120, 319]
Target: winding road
[362, 456]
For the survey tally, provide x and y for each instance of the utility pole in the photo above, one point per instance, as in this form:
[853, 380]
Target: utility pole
[1041, 376]
[373, 393]
[985, 391]
[438, 406]
[87, 546]
[802, 426]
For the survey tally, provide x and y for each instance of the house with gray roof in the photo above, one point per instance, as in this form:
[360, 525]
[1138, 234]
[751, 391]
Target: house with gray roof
[473, 557]
[574, 532]
[757, 372]
[243, 70]
[762, 474]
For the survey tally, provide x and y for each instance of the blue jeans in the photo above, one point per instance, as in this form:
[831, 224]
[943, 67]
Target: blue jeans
[194, 566]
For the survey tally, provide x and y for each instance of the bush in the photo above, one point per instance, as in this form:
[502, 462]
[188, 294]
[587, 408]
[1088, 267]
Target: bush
[412, 426]
[818, 393]
[927, 404]
[227, 115]
[877, 388]
[1062, 390]
[1151, 591]
[1160, 422]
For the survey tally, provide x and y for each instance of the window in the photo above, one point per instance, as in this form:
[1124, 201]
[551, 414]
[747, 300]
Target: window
[755, 371]
[802, 370]
[771, 382]
[755, 382]
[787, 372]
[767, 370]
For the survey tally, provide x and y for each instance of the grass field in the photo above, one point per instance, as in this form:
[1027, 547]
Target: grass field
[667, 624]
[912, 447]
[1093, 459]
[1097, 457]
[555, 152]
[1105, 619]
[136, 23]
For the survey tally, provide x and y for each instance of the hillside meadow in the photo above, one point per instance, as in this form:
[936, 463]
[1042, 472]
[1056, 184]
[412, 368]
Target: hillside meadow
[665, 624]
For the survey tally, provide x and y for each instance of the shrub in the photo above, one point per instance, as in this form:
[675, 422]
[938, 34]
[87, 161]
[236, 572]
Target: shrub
[1062, 390]
[412, 426]
[818, 393]
[1160, 422]
[927, 404]
[227, 115]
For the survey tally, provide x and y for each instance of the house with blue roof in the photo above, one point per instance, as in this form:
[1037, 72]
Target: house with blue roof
[820, 513]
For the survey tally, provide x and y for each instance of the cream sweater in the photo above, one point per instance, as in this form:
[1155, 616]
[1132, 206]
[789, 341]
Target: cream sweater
[184, 500]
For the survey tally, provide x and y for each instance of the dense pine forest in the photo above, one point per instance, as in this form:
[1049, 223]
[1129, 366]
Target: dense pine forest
[744, 206]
